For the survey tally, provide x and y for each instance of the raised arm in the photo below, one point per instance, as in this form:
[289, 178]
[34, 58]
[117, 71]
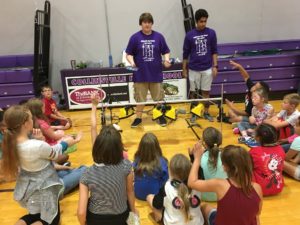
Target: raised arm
[238, 66]
[95, 101]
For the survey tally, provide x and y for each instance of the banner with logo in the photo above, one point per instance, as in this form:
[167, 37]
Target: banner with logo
[117, 89]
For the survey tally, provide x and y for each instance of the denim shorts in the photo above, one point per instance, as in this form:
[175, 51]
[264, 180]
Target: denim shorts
[212, 217]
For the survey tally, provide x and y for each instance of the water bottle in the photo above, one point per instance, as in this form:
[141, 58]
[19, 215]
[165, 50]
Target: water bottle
[110, 59]
[55, 97]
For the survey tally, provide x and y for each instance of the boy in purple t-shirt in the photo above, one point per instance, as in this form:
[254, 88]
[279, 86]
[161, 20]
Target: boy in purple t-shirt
[144, 51]
[200, 53]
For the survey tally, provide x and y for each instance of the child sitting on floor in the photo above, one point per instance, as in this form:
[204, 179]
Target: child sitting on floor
[267, 160]
[211, 164]
[261, 111]
[150, 167]
[176, 203]
[51, 111]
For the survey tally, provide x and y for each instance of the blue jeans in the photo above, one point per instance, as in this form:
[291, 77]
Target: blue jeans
[71, 178]
[286, 147]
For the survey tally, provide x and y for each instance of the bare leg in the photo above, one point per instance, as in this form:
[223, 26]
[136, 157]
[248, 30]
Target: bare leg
[206, 209]
[20, 222]
[157, 213]
[234, 117]
[139, 111]
[289, 168]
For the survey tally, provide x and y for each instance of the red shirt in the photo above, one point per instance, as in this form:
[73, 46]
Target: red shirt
[236, 208]
[267, 168]
[50, 108]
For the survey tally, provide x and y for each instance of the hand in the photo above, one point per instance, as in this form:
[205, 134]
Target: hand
[37, 134]
[167, 64]
[252, 120]
[229, 103]
[198, 150]
[184, 73]
[95, 99]
[235, 65]
[214, 71]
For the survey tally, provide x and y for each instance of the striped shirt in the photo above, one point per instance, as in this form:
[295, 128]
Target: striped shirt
[107, 186]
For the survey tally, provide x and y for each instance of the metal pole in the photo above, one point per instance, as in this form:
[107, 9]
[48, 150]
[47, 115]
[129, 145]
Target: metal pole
[108, 34]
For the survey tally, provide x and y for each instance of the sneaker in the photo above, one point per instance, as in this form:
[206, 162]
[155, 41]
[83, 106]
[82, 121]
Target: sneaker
[208, 117]
[136, 122]
[67, 163]
[162, 121]
[241, 140]
[251, 142]
[193, 119]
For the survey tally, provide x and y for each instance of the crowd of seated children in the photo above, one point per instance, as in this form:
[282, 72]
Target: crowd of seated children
[239, 199]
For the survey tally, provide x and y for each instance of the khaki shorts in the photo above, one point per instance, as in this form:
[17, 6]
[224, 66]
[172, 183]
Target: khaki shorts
[141, 91]
[200, 80]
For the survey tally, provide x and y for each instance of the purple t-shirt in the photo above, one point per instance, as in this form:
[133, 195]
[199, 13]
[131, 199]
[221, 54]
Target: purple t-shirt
[146, 51]
[199, 46]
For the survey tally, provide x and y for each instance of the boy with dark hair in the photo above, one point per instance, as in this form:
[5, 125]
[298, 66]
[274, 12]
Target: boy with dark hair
[235, 114]
[200, 54]
[144, 51]
[51, 111]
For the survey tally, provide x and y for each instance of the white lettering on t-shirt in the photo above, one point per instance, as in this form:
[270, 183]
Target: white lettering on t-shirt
[201, 44]
[148, 50]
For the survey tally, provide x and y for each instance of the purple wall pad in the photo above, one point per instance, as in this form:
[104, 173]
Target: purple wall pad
[13, 100]
[16, 89]
[16, 76]
[259, 74]
[262, 61]
[8, 61]
[25, 60]
[231, 48]
[237, 88]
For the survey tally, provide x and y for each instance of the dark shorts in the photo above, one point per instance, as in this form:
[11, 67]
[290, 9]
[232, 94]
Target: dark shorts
[32, 218]
[212, 217]
[95, 219]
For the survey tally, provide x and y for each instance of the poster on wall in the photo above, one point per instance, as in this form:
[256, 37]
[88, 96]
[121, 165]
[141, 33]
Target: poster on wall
[117, 89]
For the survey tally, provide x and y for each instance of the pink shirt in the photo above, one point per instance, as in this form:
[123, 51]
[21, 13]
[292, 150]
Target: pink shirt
[45, 126]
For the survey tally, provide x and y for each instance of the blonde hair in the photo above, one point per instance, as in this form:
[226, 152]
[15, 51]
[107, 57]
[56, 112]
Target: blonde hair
[14, 118]
[293, 99]
[180, 167]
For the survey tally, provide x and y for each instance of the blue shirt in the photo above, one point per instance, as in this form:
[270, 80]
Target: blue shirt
[146, 51]
[210, 173]
[199, 46]
[146, 183]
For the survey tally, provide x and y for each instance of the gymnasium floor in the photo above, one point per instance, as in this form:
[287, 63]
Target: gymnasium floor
[282, 209]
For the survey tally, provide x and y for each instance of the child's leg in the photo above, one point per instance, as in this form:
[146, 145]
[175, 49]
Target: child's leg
[292, 169]
[61, 159]
[209, 213]
[157, 212]
[234, 117]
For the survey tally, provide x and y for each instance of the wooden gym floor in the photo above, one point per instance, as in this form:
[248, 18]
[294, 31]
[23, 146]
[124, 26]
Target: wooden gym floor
[175, 138]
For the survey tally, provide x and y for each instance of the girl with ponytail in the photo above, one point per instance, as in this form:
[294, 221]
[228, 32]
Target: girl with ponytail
[176, 203]
[211, 163]
[38, 187]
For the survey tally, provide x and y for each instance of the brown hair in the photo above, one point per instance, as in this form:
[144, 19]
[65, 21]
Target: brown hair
[213, 139]
[146, 17]
[148, 154]
[108, 147]
[14, 118]
[180, 167]
[238, 166]
[266, 134]
[35, 106]
[293, 99]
